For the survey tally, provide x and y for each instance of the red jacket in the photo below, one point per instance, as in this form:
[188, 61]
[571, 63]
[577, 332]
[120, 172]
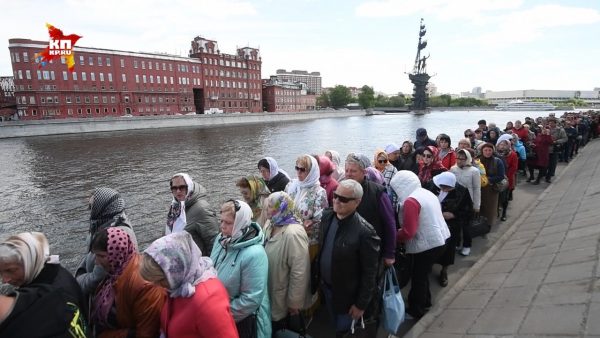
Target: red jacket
[542, 150]
[449, 160]
[522, 133]
[512, 165]
[205, 314]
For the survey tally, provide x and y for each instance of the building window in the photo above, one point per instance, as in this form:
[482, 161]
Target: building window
[87, 99]
[91, 60]
[123, 78]
[158, 79]
[165, 79]
[83, 76]
[78, 111]
[151, 76]
[46, 75]
[108, 61]
[122, 63]
[25, 57]
[20, 72]
[97, 110]
[32, 100]
[63, 60]
[170, 67]
[143, 76]
[81, 60]
[89, 111]
[52, 75]
[113, 99]
[77, 99]
[137, 78]
[34, 112]
[101, 76]
[74, 76]
[93, 76]
[171, 80]
[109, 77]
[69, 111]
[96, 99]
[135, 64]
[143, 64]
[149, 65]
[68, 99]
[65, 76]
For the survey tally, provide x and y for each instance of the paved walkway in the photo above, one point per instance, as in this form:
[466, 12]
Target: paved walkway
[542, 277]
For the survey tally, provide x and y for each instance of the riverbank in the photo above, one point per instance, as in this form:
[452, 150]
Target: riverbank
[12, 129]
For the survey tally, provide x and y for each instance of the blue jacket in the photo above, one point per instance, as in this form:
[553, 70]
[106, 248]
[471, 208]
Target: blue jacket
[520, 149]
[244, 270]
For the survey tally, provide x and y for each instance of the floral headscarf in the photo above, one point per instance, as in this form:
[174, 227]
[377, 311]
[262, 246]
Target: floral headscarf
[176, 220]
[258, 187]
[426, 171]
[182, 263]
[284, 206]
[311, 179]
[120, 250]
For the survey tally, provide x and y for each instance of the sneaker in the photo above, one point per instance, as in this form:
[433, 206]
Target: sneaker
[465, 251]
[458, 248]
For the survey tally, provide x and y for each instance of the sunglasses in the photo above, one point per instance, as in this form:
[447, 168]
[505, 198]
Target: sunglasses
[382, 161]
[300, 169]
[427, 155]
[469, 135]
[236, 205]
[343, 199]
[179, 187]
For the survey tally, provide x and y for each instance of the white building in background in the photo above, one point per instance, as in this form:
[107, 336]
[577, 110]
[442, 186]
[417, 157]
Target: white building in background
[591, 97]
[432, 89]
[476, 93]
[312, 79]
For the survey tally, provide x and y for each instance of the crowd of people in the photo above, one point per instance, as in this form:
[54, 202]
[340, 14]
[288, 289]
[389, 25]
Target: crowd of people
[291, 244]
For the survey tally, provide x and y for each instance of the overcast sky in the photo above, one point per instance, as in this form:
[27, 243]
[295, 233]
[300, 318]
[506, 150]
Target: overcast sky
[495, 44]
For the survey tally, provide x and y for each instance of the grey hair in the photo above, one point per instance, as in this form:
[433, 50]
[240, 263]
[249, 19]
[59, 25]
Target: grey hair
[9, 254]
[357, 190]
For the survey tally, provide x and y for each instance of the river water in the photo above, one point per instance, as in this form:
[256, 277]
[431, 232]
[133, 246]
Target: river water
[45, 181]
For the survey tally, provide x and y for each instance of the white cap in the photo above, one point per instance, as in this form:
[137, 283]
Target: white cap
[446, 178]
[390, 148]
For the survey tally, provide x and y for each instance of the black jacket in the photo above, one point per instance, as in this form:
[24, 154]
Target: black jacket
[354, 261]
[278, 182]
[458, 201]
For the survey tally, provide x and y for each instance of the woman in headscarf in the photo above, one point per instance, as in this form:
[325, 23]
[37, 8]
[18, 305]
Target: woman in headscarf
[107, 209]
[254, 191]
[242, 266]
[326, 170]
[467, 175]
[309, 198]
[431, 166]
[45, 295]
[275, 178]
[198, 304]
[334, 156]
[191, 212]
[424, 232]
[381, 163]
[457, 209]
[124, 304]
[286, 245]
[511, 165]
[494, 170]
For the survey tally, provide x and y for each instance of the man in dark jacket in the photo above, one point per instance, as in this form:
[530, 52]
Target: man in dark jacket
[349, 257]
[423, 139]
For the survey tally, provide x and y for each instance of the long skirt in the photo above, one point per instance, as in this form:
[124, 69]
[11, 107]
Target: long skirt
[489, 204]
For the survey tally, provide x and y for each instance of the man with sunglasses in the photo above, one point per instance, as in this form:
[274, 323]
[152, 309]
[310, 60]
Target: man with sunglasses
[470, 135]
[348, 260]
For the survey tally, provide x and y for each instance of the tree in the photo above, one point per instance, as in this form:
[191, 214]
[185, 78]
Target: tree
[397, 101]
[366, 98]
[339, 96]
[323, 100]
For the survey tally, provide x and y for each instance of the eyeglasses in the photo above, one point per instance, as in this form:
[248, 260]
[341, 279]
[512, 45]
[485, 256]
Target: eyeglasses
[469, 135]
[381, 161]
[427, 155]
[343, 199]
[179, 187]
[236, 205]
[461, 158]
[300, 169]
[478, 132]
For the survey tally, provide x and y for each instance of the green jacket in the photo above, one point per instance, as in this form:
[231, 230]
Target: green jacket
[201, 220]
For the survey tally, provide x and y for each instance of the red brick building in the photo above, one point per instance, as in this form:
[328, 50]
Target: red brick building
[8, 103]
[113, 83]
[286, 96]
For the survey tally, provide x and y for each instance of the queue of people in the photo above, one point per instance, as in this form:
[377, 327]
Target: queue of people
[324, 237]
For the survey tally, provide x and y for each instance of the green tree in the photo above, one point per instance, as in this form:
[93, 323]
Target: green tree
[339, 96]
[323, 100]
[397, 101]
[381, 101]
[366, 98]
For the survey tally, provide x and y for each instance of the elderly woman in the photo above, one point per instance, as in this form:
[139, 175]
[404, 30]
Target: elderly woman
[327, 170]
[309, 198]
[191, 212]
[43, 287]
[286, 245]
[541, 145]
[424, 232]
[494, 169]
[334, 156]
[511, 165]
[107, 209]
[457, 209]
[275, 178]
[469, 177]
[242, 266]
[198, 304]
[431, 166]
[124, 304]
[381, 163]
[254, 191]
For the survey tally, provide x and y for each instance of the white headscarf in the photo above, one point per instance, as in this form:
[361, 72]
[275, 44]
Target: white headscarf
[296, 186]
[243, 219]
[180, 222]
[446, 178]
[34, 251]
[274, 168]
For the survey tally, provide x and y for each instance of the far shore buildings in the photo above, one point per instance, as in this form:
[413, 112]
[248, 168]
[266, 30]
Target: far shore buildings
[8, 103]
[591, 97]
[286, 96]
[109, 82]
[312, 79]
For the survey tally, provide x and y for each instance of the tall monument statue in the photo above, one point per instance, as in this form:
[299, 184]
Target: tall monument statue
[419, 76]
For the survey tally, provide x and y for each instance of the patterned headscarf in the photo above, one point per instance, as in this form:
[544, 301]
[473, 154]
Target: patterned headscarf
[34, 251]
[106, 207]
[120, 250]
[374, 175]
[241, 223]
[311, 180]
[182, 263]
[283, 205]
[258, 187]
[426, 171]
[176, 220]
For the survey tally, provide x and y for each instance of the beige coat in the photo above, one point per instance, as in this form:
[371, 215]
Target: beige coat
[289, 269]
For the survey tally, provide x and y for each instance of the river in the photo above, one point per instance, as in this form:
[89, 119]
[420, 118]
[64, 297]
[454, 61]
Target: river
[46, 180]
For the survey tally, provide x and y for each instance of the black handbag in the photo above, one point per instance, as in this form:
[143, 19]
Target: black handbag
[296, 328]
[248, 327]
[479, 226]
[403, 265]
[362, 329]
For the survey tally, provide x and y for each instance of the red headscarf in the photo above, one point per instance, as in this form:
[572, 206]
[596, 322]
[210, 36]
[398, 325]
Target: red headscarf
[426, 171]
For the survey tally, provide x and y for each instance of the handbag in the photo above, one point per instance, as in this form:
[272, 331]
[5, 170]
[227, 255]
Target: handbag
[296, 328]
[392, 310]
[530, 153]
[479, 226]
[403, 266]
[248, 327]
[361, 329]
[501, 186]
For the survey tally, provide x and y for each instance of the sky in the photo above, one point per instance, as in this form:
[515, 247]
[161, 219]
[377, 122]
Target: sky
[493, 44]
